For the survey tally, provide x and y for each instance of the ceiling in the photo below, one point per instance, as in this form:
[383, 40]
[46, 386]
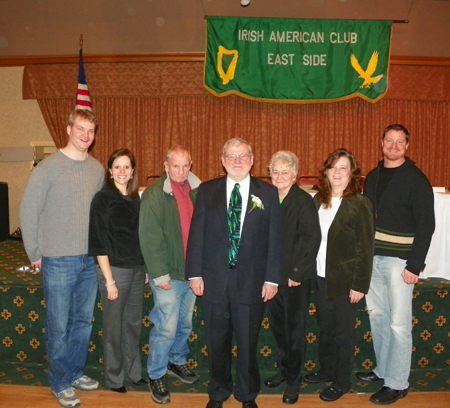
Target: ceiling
[53, 27]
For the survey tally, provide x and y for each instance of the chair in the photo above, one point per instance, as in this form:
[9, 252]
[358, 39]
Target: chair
[362, 181]
[308, 182]
[151, 178]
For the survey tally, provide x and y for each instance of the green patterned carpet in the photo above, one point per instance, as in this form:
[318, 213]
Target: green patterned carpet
[23, 359]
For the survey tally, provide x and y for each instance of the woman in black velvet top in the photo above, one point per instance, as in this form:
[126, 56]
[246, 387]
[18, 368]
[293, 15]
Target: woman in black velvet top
[289, 310]
[114, 241]
[344, 269]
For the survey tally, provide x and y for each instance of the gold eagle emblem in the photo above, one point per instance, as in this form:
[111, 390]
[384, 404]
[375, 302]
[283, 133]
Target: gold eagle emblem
[367, 74]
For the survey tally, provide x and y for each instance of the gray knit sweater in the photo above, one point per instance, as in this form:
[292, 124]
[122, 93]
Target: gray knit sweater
[54, 211]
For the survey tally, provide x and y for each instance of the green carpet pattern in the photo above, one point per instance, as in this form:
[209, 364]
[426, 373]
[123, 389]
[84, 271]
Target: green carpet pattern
[23, 360]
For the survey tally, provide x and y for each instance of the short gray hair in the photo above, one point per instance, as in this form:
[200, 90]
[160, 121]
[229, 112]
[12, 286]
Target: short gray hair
[236, 142]
[287, 157]
[178, 149]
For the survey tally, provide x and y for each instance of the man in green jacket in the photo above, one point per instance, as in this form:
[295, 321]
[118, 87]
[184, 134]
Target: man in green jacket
[165, 217]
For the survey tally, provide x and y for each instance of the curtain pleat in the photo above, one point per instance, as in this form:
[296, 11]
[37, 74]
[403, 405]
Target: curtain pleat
[167, 113]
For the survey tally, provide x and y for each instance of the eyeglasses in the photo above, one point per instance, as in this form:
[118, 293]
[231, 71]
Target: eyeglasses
[242, 157]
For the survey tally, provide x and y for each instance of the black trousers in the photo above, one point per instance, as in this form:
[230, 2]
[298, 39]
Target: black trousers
[122, 324]
[336, 318]
[222, 320]
[288, 313]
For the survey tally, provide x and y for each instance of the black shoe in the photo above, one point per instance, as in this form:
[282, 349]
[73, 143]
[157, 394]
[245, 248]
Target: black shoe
[182, 372]
[17, 234]
[249, 404]
[290, 398]
[140, 382]
[331, 394]
[290, 395]
[160, 392]
[275, 381]
[388, 396]
[315, 378]
[214, 404]
[122, 389]
[368, 377]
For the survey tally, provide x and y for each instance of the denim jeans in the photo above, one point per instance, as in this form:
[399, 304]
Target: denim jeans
[389, 303]
[70, 289]
[171, 317]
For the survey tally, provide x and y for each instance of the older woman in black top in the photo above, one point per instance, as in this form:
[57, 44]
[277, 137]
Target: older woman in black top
[344, 268]
[113, 240]
[289, 309]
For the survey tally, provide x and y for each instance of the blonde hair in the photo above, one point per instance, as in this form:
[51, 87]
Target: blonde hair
[287, 157]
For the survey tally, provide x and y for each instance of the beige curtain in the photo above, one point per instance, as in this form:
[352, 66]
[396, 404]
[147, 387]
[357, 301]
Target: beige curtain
[149, 107]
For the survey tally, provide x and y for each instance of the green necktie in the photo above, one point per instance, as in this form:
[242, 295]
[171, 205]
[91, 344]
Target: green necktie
[234, 225]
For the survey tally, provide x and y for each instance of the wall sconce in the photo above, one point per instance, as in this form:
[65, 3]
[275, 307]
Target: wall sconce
[245, 3]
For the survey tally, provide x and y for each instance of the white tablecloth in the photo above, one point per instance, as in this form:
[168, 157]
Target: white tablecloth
[438, 258]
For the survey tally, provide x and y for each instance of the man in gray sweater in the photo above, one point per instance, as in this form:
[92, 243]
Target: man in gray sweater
[55, 218]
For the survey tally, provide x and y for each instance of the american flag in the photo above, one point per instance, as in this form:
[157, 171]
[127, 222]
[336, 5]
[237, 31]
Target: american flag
[83, 97]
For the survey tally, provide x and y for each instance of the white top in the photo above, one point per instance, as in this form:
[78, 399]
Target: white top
[326, 217]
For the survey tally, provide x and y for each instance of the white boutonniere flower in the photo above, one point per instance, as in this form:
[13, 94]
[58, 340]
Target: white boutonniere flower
[256, 203]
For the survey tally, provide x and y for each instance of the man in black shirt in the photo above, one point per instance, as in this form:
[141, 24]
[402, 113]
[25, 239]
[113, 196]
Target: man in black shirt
[403, 204]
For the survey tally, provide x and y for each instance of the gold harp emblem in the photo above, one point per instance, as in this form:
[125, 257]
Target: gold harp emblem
[229, 75]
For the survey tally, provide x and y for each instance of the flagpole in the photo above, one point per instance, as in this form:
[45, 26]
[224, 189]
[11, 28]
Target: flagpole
[81, 41]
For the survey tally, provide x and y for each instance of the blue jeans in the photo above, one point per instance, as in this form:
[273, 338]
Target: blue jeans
[172, 325]
[70, 289]
[389, 303]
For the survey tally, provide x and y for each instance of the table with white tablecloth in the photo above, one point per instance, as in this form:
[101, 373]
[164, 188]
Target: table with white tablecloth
[438, 258]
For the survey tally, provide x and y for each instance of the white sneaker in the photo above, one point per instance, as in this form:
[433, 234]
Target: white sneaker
[67, 398]
[85, 383]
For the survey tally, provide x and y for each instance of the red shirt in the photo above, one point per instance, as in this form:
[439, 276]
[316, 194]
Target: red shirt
[185, 208]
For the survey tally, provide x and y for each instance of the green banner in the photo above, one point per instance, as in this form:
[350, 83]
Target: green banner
[297, 61]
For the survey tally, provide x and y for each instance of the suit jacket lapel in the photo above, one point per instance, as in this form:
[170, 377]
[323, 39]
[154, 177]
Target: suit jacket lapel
[220, 200]
[337, 223]
[254, 190]
[341, 214]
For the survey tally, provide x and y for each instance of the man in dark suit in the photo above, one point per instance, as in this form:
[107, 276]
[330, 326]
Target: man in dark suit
[235, 272]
